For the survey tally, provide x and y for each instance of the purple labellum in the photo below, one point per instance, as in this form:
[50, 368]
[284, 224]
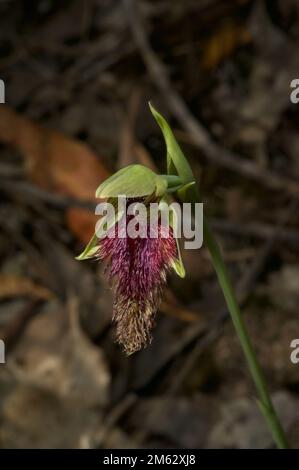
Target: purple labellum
[137, 270]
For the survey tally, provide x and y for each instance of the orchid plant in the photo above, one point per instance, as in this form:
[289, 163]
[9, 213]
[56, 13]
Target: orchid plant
[138, 267]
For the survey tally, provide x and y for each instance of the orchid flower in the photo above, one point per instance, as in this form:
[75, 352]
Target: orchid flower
[137, 267]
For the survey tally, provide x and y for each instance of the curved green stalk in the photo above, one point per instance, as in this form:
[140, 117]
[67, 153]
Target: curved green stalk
[265, 403]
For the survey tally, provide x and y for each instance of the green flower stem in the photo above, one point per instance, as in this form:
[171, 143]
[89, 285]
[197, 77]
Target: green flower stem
[265, 402]
[177, 163]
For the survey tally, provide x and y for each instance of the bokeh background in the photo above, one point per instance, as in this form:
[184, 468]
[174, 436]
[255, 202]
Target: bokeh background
[78, 76]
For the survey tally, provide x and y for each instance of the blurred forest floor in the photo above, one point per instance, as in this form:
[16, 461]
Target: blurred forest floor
[78, 77]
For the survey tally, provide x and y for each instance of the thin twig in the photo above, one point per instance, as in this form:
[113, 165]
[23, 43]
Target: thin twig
[17, 188]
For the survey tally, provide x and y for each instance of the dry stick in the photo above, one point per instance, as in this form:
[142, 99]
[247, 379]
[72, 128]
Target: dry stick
[201, 138]
[127, 139]
[255, 229]
[112, 418]
[17, 188]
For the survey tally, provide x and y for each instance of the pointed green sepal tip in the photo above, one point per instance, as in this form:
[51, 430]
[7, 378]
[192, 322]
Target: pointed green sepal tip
[175, 157]
[132, 181]
[179, 268]
[101, 230]
[182, 191]
[177, 263]
[90, 249]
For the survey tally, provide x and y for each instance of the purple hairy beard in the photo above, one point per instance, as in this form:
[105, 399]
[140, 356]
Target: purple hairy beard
[137, 271]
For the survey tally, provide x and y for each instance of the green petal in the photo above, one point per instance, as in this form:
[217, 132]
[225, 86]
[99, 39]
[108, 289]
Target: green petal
[132, 181]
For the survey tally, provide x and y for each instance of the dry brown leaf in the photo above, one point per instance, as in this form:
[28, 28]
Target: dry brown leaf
[223, 43]
[57, 163]
[57, 356]
[13, 286]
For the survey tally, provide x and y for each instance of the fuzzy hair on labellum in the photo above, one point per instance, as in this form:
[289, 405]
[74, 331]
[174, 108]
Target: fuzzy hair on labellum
[137, 271]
